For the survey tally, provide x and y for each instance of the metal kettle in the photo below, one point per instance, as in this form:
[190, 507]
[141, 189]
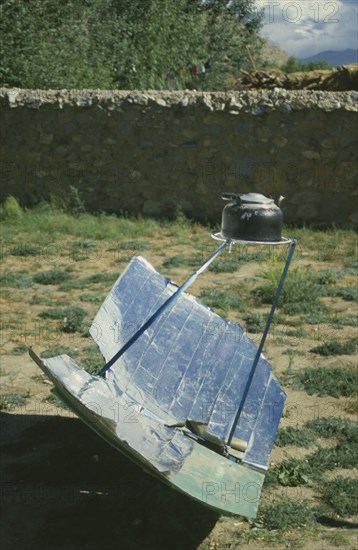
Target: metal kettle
[251, 217]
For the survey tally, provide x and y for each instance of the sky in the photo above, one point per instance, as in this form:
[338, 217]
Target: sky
[306, 27]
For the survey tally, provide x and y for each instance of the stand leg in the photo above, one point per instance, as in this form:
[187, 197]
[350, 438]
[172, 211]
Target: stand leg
[263, 340]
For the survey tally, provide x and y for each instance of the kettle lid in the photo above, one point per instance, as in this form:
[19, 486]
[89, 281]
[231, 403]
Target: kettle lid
[249, 198]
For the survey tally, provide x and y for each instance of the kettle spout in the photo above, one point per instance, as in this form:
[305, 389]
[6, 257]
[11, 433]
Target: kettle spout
[277, 198]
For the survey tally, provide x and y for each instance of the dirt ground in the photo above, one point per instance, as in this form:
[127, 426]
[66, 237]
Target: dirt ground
[63, 488]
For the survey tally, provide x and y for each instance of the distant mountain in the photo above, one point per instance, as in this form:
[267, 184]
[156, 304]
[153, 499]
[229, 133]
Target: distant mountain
[273, 55]
[334, 58]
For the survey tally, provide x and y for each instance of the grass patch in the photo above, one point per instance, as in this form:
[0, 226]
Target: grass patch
[133, 245]
[222, 299]
[16, 279]
[96, 278]
[341, 495]
[334, 426]
[287, 514]
[255, 322]
[301, 437]
[301, 293]
[92, 298]
[56, 401]
[92, 360]
[59, 350]
[24, 250]
[294, 472]
[10, 401]
[54, 277]
[72, 317]
[349, 347]
[19, 349]
[323, 381]
[349, 294]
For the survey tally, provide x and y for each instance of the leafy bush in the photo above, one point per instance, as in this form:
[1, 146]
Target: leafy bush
[54, 277]
[301, 292]
[349, 347]
[341, 494]
[9, 401]
[16, 279]
[334, 426]
[72, 317]
[325, 381]
[301, 437]
[10, 210]
[287, 514]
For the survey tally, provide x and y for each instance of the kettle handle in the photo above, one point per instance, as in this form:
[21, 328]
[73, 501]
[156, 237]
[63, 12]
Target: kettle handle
[231, 196]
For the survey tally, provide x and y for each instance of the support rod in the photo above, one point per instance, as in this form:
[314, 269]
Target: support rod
[163, 307]
[263, 340]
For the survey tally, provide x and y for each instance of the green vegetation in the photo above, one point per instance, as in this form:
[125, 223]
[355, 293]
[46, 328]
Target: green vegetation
[223, 299]
[126, 45]
[287, 514]
[301, 437]
[59, 350]
[72, 317]
[20, 349]
[56, 401]
[349, 347]
[93, 360]
[294, 65]
[54, 277]
[341, 494]
[301, 293]
[16, 279]
[334, 426]
[10, 401]
[323, 381]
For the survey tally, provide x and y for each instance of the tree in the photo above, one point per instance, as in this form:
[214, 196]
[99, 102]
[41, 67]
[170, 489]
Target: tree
[125, 43]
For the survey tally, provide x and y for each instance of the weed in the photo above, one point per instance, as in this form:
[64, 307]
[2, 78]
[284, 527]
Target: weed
[19, 350]
[10, 210]
[341, 494]
[59, 350]
[132, 245]
[56, 401]
[93, 360]
[180, 261]
[24, 249]
[323, 381]
[71, 316]
[351, 406]
[346, 293]
[9, 401]
[225, 265]
[54, 277]
[349, 347]
[339, 322]
[92, 297]
[287, 514]
[102, 278]
[334, 426]
[41, 300]
[301, 437]
[342, 456]
[222, 299]
[293, 473]
[16, 279]
[255, 322]
[301, 293]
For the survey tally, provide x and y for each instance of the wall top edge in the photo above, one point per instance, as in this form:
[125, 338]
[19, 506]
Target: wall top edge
[255, 102]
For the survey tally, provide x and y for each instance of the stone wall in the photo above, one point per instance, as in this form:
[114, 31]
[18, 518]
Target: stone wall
[149, 152]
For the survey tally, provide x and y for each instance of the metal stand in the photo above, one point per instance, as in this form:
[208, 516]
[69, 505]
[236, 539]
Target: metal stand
[263, 340]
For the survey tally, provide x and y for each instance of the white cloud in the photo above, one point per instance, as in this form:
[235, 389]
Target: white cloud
[306, 27]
